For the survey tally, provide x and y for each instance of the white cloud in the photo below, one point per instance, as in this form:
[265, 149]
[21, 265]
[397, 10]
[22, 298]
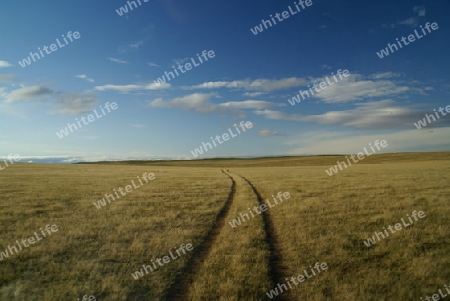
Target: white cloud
[180, 61]
[326, 67]
[268, 133]
[359, 87]
[83, 76]
[136, 45]
[201, 103]
[74, 104]
[152, 64]
[196, 102]
[384, 75]
[261, 85]
[3, 93]
[420, 10]
[319, 142]
[355, 87]
[62, 103]
[413, 22]
[385, 114]
[27, 94]
[277, 115]
[329, 15]
[5, 64]
[254, 94]
[117, 60]
[129, 47]
[4, 78]
[132, 87]
[251, 104]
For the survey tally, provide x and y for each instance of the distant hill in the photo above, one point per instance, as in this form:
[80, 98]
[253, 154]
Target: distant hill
[285, 160]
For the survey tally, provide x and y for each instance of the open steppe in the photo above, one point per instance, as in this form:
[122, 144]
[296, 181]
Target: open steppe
[325, 220]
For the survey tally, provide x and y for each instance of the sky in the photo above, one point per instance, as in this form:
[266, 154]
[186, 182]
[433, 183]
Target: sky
[113, 56]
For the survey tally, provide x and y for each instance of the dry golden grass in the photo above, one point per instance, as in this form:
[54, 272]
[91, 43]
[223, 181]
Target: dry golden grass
[96, 250]
[325, 220]
[236, 268]
[328, 218]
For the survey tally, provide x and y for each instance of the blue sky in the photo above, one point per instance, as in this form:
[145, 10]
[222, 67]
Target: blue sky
[251, 77]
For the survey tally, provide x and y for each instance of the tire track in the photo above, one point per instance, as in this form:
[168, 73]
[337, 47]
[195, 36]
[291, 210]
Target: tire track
[276, 267]
[180, 287]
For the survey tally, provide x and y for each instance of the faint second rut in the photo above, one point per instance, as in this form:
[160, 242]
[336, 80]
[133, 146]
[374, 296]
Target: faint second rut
[181, 285]
[256, 254]
[275, 262]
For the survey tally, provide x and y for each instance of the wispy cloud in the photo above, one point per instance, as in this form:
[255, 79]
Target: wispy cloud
[340, 142]
[412, 22]
[353, 88]
[136, 45]
[27, 94]
[62, 103]
[83, 76]
[377, 115]
[201, 102]
[5, 64]
[261, 85]
[180, 61]
[152, 64]
[132, 87]
[382, 75]
[5, 78]
[196, 102]
[268, 133]
[74, 104]
[117, 60]
[359, 87]
[254, 94]
[329, 15]
[131, 46]
[420, 10]
[251, 104]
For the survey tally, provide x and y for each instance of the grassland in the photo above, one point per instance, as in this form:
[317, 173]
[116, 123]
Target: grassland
[96, 250]
[329, 217]
[325, 220]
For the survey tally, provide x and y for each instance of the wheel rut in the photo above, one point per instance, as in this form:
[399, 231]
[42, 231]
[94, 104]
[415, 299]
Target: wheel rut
[276, 267]
[180, 287]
